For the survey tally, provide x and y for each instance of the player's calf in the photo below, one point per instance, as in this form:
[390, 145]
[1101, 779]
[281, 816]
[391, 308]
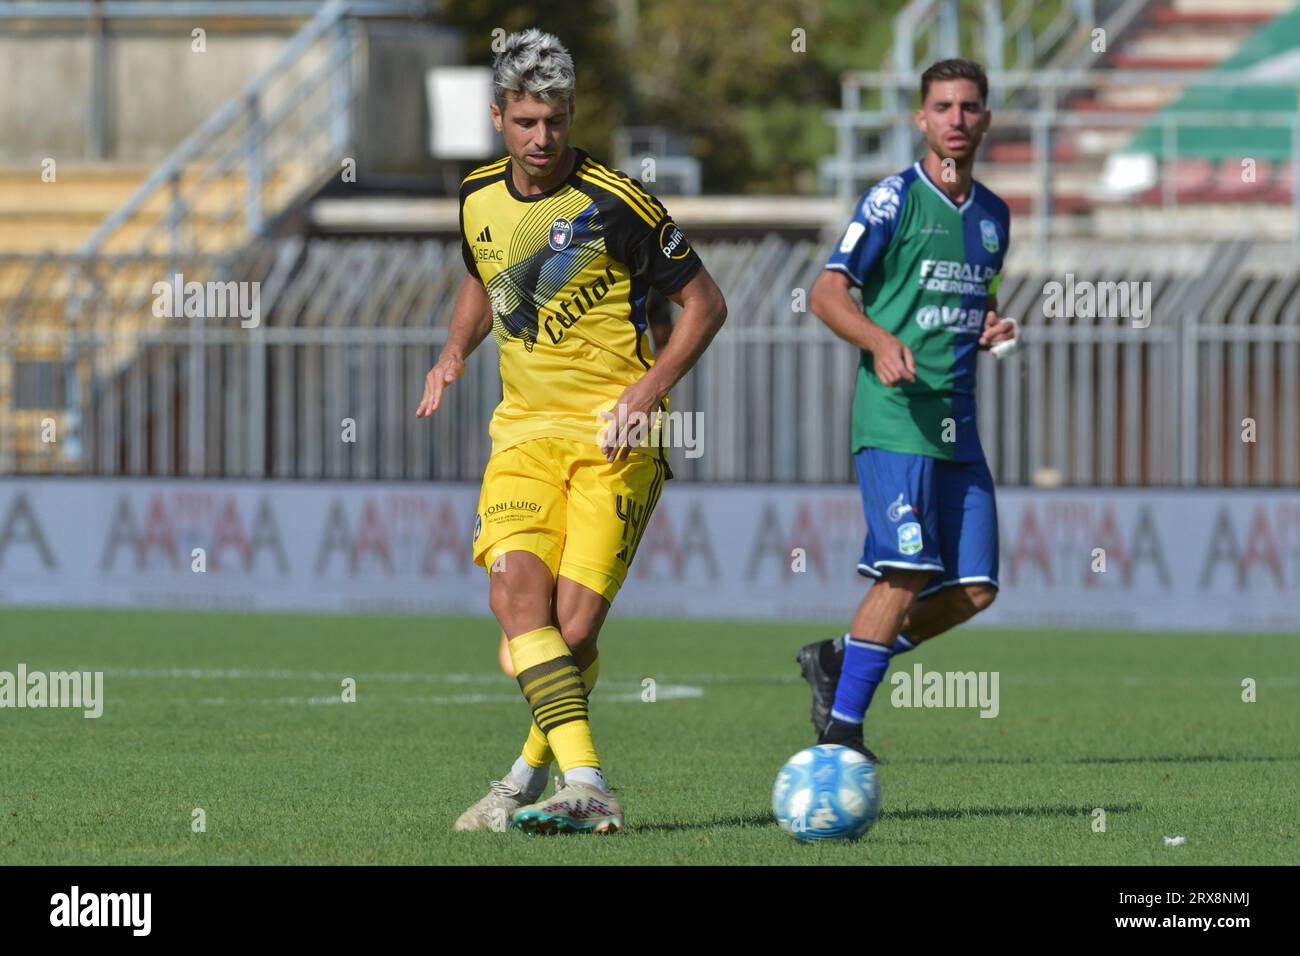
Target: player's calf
[867, 653]
[946, 608]
[821, 662]
[579, 613]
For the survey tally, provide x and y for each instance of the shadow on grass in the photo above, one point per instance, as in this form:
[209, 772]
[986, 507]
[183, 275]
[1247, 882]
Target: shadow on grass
[1186, 758]
[753, 820]
[1190, 758]
[765, 820]
[1058, 810]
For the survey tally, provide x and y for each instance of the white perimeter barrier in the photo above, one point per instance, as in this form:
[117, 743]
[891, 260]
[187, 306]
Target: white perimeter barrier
[1227, 560]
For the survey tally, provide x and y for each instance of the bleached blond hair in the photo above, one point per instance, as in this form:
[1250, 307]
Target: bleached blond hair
[533, 62]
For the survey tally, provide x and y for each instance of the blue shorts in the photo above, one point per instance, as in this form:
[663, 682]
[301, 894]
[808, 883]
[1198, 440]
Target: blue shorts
[927, 514]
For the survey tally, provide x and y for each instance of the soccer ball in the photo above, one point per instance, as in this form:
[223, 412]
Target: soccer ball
[826, 792]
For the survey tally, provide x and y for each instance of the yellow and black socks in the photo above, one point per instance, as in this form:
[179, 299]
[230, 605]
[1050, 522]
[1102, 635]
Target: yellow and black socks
[537, 751]
[557, 695]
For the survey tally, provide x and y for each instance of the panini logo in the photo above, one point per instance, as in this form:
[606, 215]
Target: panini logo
[671, 241]
[501, 506]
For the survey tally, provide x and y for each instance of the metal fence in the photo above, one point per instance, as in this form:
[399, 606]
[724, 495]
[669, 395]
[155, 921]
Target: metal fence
[325, 385]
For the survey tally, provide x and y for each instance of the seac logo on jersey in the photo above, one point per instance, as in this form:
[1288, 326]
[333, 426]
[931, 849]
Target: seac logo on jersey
[989, 234]
[561, 234]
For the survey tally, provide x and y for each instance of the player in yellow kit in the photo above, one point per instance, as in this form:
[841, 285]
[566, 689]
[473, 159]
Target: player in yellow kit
[561, 252]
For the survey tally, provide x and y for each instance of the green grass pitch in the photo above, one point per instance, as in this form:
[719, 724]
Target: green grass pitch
[237, 715]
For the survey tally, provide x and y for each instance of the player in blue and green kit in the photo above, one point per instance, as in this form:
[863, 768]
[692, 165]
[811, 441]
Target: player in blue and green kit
[926, 248]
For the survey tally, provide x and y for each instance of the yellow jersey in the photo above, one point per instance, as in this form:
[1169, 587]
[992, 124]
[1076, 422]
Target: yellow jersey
[567, 272]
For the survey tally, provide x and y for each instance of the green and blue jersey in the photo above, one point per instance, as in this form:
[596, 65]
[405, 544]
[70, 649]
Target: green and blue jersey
[927, 269]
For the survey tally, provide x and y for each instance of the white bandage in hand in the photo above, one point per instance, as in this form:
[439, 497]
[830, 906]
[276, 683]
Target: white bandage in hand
[1003, 349]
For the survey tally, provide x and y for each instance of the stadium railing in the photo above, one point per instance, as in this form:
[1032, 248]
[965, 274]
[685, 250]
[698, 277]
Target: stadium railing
[348, 329]
[196, 214]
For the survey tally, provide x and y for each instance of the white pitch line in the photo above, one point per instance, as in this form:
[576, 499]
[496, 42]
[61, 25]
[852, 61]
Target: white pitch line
[415, 677]
[197, 673]
[662, 692]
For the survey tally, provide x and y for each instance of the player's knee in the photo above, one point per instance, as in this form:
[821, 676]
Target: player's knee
[579, 632]
[518, 608]
[981, 595]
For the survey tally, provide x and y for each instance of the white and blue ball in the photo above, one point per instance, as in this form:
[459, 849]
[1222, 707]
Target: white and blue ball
[827, 792]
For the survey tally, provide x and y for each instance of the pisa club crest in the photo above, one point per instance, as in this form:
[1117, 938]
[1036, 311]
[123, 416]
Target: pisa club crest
[561, 234]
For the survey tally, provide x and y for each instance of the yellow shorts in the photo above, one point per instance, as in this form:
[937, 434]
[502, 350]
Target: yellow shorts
[562, 501]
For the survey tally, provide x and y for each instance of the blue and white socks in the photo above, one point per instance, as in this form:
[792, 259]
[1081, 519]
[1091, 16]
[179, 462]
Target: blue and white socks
[864, 668]
[901, 643]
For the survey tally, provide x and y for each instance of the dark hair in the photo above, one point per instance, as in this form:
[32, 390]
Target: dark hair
[955, 69]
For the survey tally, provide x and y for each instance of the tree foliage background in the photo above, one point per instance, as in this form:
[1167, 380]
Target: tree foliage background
[729, 75]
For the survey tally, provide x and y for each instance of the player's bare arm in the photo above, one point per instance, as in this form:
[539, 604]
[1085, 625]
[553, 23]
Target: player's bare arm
[703, 312]
[832, 303]
[470, 324]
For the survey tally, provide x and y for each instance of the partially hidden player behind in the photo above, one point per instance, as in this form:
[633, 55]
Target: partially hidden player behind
[561, 251]
[925, 247]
